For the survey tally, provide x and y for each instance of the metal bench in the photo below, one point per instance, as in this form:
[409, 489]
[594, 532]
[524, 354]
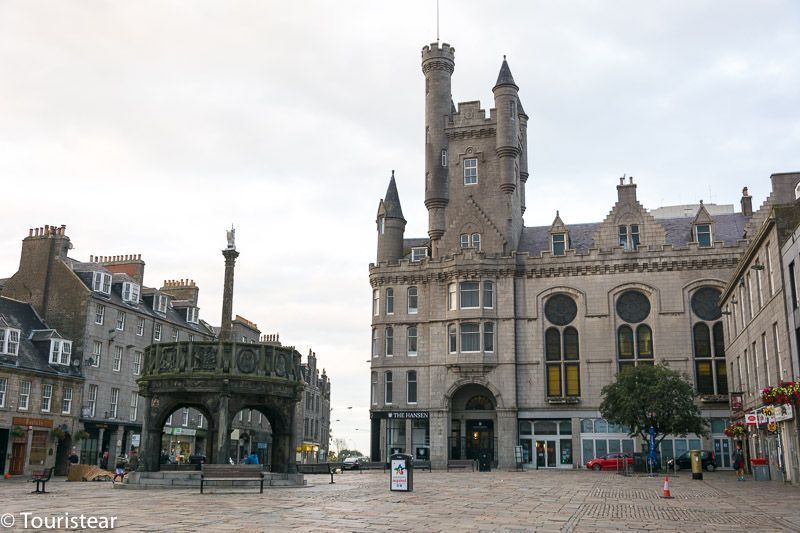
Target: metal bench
[373, 465]
[41, 478]
[461, 463]
[422, 465]
[231, 473]
[319, 468]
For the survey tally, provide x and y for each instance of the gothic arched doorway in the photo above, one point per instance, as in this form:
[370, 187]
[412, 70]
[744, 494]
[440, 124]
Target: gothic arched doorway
[473, 422]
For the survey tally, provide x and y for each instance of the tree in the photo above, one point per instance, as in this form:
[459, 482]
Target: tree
[648, 395]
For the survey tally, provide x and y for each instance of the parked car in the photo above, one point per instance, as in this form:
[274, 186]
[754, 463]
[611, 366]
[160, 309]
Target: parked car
[707, 459]
[611, 461]
[352, 463]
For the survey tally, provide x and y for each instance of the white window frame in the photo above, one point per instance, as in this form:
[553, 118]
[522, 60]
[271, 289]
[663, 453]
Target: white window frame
[388, 391]
[375, 342]
[134, 411]
[116, 365]
[471, 171]
[477, 295]
[388, 341]
[461, 334]
[136, 362]
[373, 392]
[60, 351]
[706, 231]
[487, 293]
[91, 400]
[444, 158]
[3, 391]
[157, 332]
[9, 341]
[47, 397]
[389, 301]
[191, 315]
[140, 326]
[376, 302]
[475, 241]
[409, 381]
[201, 419]
[24, 395]
[409, 351]
[418, 253]
[162, 303]
[114, 409]
[185, 417]
[66, 400]
[464, 240]
[99, 314]
[120, 320]
[97, 352]
[175, 333]
[412, 310]
[488, 330]
[562, 241]
[101, 282]
[130, 292]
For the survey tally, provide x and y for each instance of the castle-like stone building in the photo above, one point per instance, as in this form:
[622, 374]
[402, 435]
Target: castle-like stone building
[492, 338]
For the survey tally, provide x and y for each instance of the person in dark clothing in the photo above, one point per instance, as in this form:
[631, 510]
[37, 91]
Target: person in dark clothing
[738, 463]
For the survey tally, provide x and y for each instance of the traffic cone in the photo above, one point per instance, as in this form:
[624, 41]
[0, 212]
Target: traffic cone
[666, 493]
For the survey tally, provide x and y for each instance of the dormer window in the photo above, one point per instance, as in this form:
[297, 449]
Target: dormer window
[130, 292]
[60, 352]
[191, 315]
[470, 171]
[417, 254]
[9, 341]
[629, 237]
[702, 234]
[161, 305]
[559, 243]
[101, 282]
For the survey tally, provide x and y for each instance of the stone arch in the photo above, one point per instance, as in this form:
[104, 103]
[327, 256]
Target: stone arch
[579, 295]
[175, 406]
[497, 395]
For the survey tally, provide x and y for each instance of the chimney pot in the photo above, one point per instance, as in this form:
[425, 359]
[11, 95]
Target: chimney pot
[630, 180]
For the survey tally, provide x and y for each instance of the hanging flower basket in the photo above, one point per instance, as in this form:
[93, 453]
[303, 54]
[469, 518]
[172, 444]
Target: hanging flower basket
[82, 435]
[735, 430]
[58, 433]
[785, 392]
[17, 431]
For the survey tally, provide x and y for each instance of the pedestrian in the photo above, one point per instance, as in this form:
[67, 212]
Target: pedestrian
[119, 469]
[738, 463]
[251, 459]
[104, 460]
[73, 457]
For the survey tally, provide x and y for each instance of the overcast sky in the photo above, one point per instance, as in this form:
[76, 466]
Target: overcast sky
[150, 127]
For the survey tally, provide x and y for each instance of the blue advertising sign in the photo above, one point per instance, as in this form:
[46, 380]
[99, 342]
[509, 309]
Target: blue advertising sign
[652, 456]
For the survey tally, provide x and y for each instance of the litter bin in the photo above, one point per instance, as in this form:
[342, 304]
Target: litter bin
[484, 462]
[401, 473]
[697, 464]
[760, 469]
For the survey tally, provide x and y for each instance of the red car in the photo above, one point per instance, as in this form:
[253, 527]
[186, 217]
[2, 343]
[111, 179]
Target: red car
[612, 461]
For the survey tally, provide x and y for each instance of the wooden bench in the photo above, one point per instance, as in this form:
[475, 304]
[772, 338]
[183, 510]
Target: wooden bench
[461, 463]
[41, 478]
[231, 473]
[319, 468]
[422, 465]
[373, 465]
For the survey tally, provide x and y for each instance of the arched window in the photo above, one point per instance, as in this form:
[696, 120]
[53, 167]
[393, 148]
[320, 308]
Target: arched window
[479, 403]
[389, 301]
[387, 388]
[389, 341]
[634, 342]
[412, 300]
[711, 376]
[411, 340]
[411, 386]
[562, 351]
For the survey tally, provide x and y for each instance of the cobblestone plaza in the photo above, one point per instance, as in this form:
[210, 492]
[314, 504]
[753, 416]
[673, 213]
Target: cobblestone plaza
[496, 501]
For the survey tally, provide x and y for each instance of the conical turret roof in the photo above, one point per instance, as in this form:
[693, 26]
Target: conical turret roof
[391, 203]
[505, 77]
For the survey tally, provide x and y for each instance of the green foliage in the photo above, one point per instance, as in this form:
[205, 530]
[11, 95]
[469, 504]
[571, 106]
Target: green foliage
[647, 390]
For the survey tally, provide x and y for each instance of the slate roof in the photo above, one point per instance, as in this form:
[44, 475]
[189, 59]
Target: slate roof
[505, 77]
[727, 228]
[33, 355]
[392, 201]
[176, 316]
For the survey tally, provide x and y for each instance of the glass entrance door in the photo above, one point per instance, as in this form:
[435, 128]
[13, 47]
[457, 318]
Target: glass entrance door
[480, 438]
[722, 450]
[546, 454]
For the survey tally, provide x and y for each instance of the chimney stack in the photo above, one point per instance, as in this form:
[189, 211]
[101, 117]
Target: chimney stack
[747, 203]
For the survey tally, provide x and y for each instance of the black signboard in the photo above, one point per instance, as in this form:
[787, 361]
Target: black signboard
[401, 415]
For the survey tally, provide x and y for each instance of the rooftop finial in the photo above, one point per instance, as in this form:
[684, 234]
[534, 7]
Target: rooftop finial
[231, 238]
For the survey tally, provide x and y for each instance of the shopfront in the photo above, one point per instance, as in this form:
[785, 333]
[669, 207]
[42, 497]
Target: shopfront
[403, 432]
[546, 443]
[598, 438]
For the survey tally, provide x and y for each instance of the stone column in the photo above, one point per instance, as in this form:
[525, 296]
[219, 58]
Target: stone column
[225, 333]
[26, 466]
[150, 445]
[223, 438]
[439, 431]
[507, 437]
[101, 433]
